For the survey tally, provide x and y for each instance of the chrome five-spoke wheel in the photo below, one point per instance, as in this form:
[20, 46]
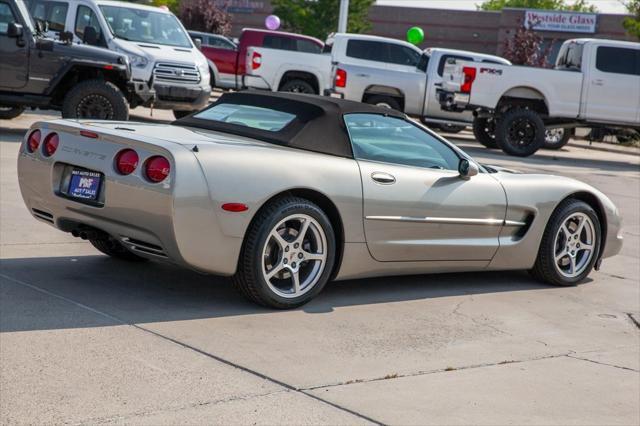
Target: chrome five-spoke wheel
[294, 255]
[574, 245]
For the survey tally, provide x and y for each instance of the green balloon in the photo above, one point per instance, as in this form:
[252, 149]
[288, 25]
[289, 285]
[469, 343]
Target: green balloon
[415, 35]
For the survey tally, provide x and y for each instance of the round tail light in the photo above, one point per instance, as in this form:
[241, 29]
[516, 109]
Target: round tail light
[51, 144]
[126, 161]
[33, 142]
[157, 168]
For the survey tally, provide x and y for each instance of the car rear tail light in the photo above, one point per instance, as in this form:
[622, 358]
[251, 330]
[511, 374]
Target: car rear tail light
[256, 60]
[469, 76]
[126, 161]
[33, 142]
[341, 78]
[157, 168]
[51, 144]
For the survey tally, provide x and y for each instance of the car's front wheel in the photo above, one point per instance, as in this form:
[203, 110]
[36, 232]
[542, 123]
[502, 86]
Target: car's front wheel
[570, 244]
[97, 99]
[288, 254]
[484, 130]
[7, 113]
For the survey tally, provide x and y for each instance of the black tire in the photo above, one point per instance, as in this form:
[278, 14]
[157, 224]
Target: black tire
[114, 248]
[7, 113]
[484, 132]
[627, 135]
[549, 143]
[451, 128]
[298, 86]
[384, 101]
[545, 268]
[249, 279]
[520, 132]
[180, 114]
[96, 99]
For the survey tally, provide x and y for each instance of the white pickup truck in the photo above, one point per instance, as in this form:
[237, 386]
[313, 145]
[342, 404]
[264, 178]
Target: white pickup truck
[594, 83]
[369, 69]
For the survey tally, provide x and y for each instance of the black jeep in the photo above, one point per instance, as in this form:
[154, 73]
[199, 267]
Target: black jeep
[80, 80]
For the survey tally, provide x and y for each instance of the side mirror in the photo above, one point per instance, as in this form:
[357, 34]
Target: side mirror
[90, 36]
[467, 168]
[14, 30]
[198, 43]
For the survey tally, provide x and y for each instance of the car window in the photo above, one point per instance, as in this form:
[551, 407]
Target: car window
[368, 50]
[444, 58]
[246, 115]
[423, 63]
[55, 13]
[403, 55]
[86, 18]
[570, 57]
[308, 46]
[6, 17]
[279, 42]
[618, 60]
[394, 140]
[220, 43]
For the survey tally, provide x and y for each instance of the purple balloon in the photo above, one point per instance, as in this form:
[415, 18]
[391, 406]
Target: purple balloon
[272, 22]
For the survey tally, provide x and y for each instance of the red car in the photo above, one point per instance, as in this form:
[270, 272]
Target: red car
[227, 60]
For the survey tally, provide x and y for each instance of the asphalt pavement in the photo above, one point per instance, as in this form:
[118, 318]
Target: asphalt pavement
[88, 339]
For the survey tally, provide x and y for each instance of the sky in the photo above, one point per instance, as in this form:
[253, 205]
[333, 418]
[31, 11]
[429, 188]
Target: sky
[604, 6]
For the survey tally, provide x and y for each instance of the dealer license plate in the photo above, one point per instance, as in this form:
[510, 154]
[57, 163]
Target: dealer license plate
[84, 184]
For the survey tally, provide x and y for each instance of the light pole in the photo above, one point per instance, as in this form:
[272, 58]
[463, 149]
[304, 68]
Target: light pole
[344, 15]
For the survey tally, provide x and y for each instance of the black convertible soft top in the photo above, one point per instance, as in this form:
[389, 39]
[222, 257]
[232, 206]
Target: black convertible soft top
[318, 125]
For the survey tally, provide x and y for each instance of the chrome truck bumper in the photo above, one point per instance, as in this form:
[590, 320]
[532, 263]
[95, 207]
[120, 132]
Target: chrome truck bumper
[171, 220]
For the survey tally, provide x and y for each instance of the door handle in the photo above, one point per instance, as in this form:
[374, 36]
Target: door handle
[598, 82]
[383, 178]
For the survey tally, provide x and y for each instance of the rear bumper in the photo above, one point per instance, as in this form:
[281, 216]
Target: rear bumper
[171, 221]
[453, 101]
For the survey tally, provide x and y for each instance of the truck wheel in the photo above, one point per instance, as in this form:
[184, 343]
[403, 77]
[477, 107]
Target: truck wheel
[384, 101]
[7, 113]
[520, 132]
[556, 138]
[95, 99]
[484, 130]
[627, 135]
[298, 86]
[451, 128]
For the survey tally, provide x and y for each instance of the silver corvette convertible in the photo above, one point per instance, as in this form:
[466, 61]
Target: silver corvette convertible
[285, 192]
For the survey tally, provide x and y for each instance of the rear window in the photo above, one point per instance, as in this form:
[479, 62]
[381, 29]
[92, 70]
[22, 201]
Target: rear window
[570, 57]
[249, 116]
[289, 43]
[618, 60]
[444, 58]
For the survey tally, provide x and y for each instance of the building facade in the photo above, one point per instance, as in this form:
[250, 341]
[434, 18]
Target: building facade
[458, 29]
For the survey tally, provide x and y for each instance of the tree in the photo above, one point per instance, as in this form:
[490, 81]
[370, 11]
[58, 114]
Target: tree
[318, 18]
[576, 6]
[173, 5]
[524, 47]
[632, 23]
[203, 15]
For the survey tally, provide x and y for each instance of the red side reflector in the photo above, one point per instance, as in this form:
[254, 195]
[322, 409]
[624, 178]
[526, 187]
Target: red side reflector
[235, 207]
[108, 67]
[33, 142]
[88, 134]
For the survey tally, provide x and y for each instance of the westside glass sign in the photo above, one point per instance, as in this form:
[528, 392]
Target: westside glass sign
[560, 21]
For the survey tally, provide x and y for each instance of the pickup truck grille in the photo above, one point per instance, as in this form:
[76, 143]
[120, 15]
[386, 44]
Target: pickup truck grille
[176, 73]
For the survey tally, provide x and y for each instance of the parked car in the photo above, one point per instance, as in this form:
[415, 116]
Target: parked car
[377, 70]
[81, 81]
[285, 192]
[168, 70]
[228, 66]
[594, 83]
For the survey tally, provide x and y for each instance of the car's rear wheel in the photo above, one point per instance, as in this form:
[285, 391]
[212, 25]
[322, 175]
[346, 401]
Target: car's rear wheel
[556, 138]
[570, 244]
[288, 254]
[114, 248]
[520, 132]
[298, 86]
[484, 130]
[384, 102]
[96, 99]
[7, 112]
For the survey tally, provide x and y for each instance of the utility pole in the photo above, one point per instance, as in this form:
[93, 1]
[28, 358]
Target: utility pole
[344, 15]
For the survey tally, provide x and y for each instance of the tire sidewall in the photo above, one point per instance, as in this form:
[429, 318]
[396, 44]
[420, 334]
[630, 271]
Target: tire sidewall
[377, 100]
[12, 113]
[556, 221]
[265, 228]
[481, 135]
[103, 88]
[508, 120]
[289, 84]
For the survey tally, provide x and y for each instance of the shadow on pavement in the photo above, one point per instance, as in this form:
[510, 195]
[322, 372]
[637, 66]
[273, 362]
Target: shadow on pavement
[158, 292]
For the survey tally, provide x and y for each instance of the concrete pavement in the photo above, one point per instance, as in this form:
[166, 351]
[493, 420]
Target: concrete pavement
[88, 339]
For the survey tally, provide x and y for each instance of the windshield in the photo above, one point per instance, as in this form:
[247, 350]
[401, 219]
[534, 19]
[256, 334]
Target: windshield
[145, 26]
